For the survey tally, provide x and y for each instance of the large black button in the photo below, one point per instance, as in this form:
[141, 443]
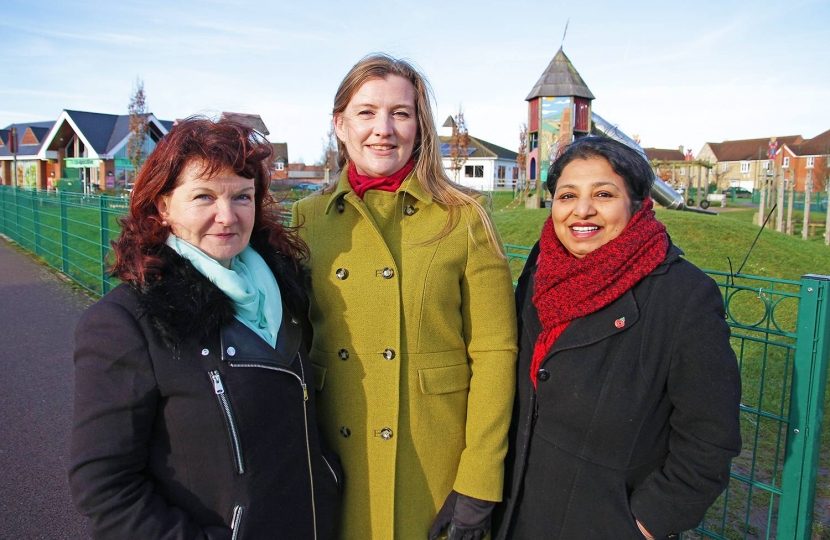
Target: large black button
[341, 273]
[543, 375]
[387, 273]
[409, 210]
[345, 431]
[389, 354]
[343, 354]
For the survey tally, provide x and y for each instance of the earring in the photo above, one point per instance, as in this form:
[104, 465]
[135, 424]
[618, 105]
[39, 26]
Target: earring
[164, 223]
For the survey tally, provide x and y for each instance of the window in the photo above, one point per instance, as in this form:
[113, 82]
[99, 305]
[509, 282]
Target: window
[500, 172]
[474, 171]
[786, 162]
[515, 173]
[744, 167]
[724, 167]
[280, 165]
[682, 170]
[533, 141]
[811, 161]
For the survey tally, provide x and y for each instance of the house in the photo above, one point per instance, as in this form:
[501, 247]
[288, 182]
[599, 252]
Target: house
[806, 162]
[279, 162]
[743, 163]
[29, 140]
[253, 121]
[488, 167]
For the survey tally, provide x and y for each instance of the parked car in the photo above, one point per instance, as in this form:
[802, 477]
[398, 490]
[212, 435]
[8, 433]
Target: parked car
[740, 193]
[307, 187]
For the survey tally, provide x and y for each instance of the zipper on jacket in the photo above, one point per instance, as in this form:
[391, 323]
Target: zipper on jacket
[236, 520]
[301, 379]
[225, 405]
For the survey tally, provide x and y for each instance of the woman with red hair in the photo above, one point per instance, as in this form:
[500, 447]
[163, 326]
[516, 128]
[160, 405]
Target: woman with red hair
[193, 416]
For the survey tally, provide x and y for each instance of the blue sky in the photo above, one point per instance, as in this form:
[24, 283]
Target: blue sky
[675, 73]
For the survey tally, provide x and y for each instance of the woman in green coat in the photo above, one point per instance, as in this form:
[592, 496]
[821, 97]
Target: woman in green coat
[414, 324]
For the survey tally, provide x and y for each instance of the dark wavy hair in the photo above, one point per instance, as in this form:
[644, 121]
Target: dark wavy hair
[629, 164]
[218, 145]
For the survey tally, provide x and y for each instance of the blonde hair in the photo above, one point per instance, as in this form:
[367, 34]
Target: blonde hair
[426, 153]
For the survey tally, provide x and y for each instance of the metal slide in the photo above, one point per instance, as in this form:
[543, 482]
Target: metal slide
[660, 191]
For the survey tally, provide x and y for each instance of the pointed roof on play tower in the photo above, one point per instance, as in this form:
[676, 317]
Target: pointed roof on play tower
[560, 79]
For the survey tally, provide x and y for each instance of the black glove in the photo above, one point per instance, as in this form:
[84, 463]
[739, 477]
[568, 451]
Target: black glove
[465, 518]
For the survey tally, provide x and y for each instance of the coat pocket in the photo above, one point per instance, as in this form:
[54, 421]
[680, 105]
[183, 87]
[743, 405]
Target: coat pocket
[319, 376]
[445, 379]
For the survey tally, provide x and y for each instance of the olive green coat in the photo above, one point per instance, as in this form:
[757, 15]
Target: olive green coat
[414, 352]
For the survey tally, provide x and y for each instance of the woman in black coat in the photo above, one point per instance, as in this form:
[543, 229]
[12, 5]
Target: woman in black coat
[626, 416]
[194, 406]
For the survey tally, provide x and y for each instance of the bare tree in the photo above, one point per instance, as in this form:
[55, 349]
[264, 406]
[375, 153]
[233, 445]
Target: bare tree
[138, 126]
[521, 157]
[459, 143]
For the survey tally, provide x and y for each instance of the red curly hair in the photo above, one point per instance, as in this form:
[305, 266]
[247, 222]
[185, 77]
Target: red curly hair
[219, 145]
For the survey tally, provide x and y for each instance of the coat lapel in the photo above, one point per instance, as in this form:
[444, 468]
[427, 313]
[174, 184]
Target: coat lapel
[614, 318]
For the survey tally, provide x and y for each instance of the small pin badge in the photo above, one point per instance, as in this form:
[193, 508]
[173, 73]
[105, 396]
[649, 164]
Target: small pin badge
[619, 323]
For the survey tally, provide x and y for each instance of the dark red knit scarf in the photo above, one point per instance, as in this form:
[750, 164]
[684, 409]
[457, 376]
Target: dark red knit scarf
[361, 184]
[567, 288]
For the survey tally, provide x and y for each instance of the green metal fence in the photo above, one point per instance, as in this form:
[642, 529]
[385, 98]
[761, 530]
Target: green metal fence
[69, 231]
[780, 333]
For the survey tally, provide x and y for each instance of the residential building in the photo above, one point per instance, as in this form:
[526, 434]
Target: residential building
[806, 162]
[279, 162]
[488, 166]
[743, 163]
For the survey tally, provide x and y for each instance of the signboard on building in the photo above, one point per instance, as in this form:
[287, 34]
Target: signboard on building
[80, 163]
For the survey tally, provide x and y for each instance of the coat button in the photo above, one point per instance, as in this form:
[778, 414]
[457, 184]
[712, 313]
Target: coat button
[294, 320]
[343, 354]
[205, 352]
[340, 206]
[389, 354]
[345, 431]
[387, 273]
[409, 210]
[386, 434]
[341, 273]
[543, 374]
[231, 351]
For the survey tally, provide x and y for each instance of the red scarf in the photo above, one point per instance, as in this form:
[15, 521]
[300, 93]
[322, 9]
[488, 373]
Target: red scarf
[361, 184]
[567, 288]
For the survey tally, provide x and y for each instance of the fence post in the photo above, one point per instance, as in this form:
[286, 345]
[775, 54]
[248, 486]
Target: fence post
[16, 215]
[64, 235]
[103, 223]
[3, 213]
[36, 221]
[795, 514]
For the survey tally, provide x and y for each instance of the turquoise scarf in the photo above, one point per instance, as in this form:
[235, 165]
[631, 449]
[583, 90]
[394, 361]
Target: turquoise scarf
[249, 283]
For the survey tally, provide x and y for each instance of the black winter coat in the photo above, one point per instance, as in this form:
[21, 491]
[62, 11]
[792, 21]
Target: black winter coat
[635, 414]
[187, 425]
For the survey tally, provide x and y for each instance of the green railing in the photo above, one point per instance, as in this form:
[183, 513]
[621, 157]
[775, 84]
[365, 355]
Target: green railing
[69, 231]
[780, 333]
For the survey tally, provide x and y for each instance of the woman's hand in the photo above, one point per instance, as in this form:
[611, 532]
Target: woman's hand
[465, 518]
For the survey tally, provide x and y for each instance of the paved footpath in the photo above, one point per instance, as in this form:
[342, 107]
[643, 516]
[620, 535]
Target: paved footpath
[38, 313]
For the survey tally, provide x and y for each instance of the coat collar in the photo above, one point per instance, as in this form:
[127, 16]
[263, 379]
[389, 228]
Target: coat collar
[182, 304]
[343, 189]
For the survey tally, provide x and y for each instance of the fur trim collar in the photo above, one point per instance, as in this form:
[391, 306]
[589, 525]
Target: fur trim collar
[182, 304]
